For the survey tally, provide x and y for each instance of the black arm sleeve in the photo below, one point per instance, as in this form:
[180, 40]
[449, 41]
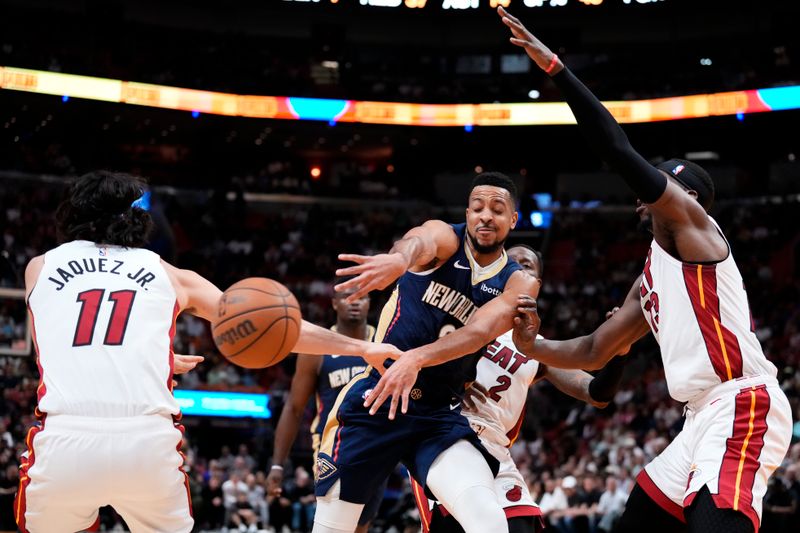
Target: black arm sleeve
[606, 136]
[605, 384]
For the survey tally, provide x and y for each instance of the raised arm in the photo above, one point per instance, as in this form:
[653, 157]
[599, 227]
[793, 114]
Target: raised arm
[304, 384]
[422, 248]
[605, 135]
[489, 321]
[589, 352]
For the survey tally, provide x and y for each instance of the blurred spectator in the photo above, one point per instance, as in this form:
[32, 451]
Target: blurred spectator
[213, 511]
[611, 504]
[300, 493]
[780, 507]
[242, 515]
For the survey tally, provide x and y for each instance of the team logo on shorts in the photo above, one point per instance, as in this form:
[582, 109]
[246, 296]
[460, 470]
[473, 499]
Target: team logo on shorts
[514, 494]
[416, 394]
[325, 468]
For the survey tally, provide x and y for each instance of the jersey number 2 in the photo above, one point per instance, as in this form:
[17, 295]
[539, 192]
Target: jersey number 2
[504, 382]
[90, 307]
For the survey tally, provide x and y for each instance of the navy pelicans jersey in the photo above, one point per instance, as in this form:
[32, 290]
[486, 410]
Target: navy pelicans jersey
[427, 305]
[335, 372]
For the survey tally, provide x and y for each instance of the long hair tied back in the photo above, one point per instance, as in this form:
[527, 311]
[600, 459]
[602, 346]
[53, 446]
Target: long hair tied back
[98, 209]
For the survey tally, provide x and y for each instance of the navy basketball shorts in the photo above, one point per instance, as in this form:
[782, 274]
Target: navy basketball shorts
[360, 450]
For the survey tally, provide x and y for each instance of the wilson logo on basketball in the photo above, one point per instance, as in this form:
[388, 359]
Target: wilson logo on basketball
[235, 333]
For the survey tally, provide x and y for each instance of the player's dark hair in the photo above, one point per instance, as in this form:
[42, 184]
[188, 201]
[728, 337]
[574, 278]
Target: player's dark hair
[692, 176]
[497, 179]
[537, 253]
[98, 209]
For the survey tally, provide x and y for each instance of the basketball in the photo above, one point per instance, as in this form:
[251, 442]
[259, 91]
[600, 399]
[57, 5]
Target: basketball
[257, 323]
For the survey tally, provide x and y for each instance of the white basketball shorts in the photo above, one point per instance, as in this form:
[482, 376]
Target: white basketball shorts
[75, 465]
[735, 435]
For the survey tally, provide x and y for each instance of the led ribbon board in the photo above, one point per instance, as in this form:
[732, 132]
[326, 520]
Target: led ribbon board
[391, 113]
[228, 404]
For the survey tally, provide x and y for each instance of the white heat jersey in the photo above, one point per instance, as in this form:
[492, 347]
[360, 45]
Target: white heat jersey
[700, 317]
[103, 322]
[506, 374]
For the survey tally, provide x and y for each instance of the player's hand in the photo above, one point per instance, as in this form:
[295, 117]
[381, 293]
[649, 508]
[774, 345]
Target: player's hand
[396, 383]
[372, 272]
[475, 393]
[536, 50]
[376, 353]
[526, 324]
[184, 363]
[275, 482]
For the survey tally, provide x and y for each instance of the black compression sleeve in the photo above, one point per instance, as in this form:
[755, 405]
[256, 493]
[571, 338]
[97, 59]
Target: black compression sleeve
[607, 138]
[605, 384]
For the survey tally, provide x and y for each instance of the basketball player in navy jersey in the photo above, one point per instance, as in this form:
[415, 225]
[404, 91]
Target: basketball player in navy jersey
[325, 376]
[456, 291]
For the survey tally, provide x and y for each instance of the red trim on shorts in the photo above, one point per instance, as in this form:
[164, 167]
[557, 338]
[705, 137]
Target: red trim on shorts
[395, 319]
[175, 310]
[514, 433]
[182, 429]
[522, 510]
[721, 343]
[648, 485]
[425, 513]
[338, 440]
[20, 501]
[95, 526]
[737, 473]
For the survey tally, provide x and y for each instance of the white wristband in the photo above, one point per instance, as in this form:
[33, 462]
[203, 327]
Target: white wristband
[276, 467]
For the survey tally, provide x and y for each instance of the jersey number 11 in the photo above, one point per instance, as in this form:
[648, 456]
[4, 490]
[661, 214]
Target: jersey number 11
[91, 301]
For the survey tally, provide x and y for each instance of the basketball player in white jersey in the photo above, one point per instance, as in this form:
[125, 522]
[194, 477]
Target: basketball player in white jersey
[495, 407]
[103, 314]
[713, 476]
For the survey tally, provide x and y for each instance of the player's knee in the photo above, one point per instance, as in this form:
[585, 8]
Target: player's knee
[336, 516]
[478, 511]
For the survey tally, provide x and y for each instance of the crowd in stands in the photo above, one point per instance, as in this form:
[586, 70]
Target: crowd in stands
[580, 461]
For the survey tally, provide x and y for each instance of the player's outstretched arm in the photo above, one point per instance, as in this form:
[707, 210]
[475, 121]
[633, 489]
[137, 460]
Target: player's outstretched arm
[489, 322]
[596, 390]
[421, 248]
[314, 340]
[606, 136]
[590, 352]
[196, 295]
[304, 383]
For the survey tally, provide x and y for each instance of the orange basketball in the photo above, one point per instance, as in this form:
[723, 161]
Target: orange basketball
[257, 323]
